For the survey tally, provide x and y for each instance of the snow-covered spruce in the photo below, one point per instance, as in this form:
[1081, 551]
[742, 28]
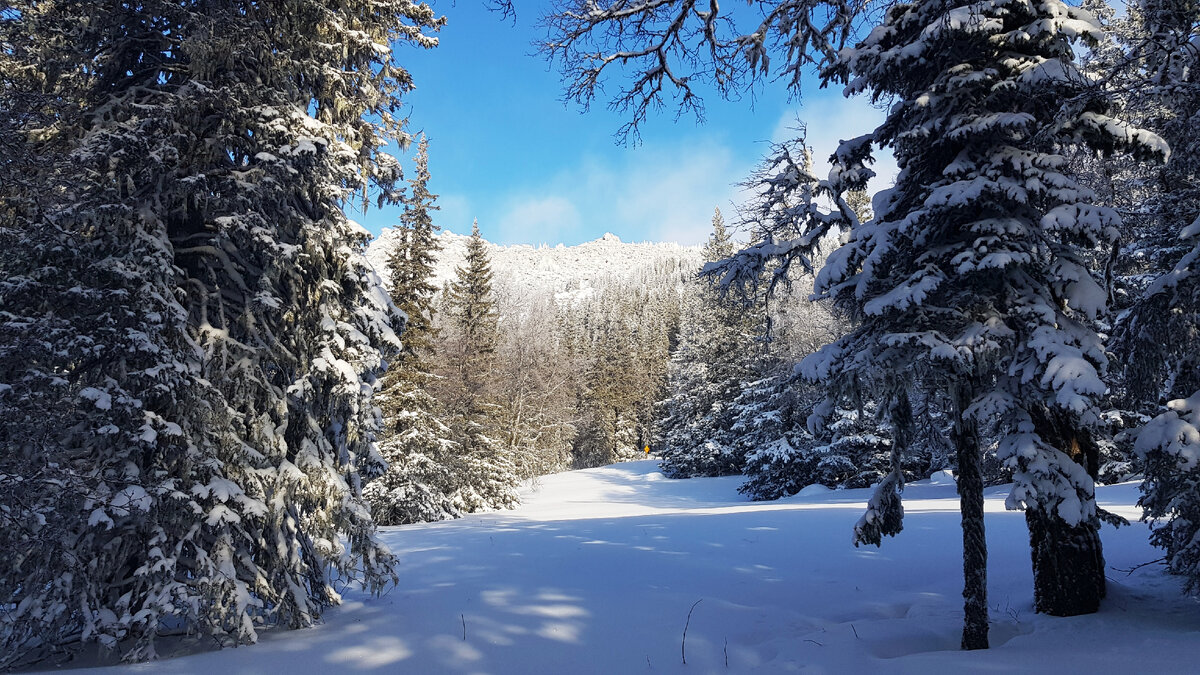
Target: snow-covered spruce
[720, 350]
[976, 265]
[199, 319]
[485, 474]
[1154, 65]
[1170, 443]
[420, 482]
[972, 278]
[1149, 67]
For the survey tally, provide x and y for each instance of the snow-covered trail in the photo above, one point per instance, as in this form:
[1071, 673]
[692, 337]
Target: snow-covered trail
[597, 570]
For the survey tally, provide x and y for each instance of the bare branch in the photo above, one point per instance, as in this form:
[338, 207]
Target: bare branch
[668, 47]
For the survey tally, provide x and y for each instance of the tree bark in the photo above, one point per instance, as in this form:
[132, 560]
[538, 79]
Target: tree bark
[1068, 560]
[970, 492]
[1068, 565]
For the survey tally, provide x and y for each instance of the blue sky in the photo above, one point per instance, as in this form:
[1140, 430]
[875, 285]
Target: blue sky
[506, 150]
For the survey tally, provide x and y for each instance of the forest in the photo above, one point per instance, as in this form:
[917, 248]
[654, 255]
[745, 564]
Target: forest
[210, 399]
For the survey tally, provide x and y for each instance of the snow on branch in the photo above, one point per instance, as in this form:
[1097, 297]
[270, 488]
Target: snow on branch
[790, 214]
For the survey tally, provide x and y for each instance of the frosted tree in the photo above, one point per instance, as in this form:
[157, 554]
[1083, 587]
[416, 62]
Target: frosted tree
[973, 276]
[1159, 333]
[538, 381]
[485, 473]
[1150, 68]
[108, 424]
[720, 346]
[419, 483]
[199, 316]
[975, 266]
[608, 428]
[1170, 443]
[621, 338]
[411, 264]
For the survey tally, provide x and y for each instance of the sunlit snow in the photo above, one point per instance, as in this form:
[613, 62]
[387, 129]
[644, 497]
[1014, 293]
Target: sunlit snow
[596, 572]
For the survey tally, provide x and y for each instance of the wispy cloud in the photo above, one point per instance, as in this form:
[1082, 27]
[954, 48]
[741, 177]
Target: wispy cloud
[661, 191]
[654, 192]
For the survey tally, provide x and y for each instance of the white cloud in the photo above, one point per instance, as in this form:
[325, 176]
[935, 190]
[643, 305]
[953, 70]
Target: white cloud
[654, 192]
[661, 191]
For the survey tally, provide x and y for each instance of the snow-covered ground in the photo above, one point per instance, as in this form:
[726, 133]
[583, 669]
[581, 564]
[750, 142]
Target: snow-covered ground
[597, 571]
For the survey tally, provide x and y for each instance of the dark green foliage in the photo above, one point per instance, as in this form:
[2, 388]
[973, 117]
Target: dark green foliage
[191, 335]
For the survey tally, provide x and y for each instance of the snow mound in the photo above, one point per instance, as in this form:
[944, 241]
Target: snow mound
[945, 477]
[813, 490]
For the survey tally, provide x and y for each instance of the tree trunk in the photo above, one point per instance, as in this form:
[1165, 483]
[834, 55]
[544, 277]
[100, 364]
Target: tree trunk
[1068, 560]
[1068, 565]
[970, 492]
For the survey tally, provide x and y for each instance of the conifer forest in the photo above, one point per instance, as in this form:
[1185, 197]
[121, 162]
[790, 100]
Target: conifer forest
[941, 421]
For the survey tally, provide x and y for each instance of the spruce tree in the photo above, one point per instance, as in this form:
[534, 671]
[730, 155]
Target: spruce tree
[1153, 68]
[199, 316]
[609, 428]
[411, 264]
[1170, 443]
[975, 268]
[419, 484]
[973, 276]
[486, 477]
[719, 346]
[1162, 326]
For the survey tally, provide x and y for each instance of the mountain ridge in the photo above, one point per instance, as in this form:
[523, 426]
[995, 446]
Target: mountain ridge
[562, 270]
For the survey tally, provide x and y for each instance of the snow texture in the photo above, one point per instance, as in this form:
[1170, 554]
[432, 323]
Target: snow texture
[570, 272]
[595, 573]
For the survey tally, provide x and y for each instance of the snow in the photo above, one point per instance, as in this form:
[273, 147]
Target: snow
[569, 273]
[596, 572]
[131, 498]
[101, 398]
[1175, 432]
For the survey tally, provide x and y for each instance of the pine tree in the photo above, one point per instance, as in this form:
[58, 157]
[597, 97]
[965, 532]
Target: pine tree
[486, 475]
[719, 350]
[109, 426]
[1161, 329]
[412, 263]
[419, 484]
[984, 226]
[199, 317]
[1168, 443]
[1151, 70]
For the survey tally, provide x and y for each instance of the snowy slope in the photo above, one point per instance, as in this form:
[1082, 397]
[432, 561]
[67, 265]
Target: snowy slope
[551, 269]
[596, 572]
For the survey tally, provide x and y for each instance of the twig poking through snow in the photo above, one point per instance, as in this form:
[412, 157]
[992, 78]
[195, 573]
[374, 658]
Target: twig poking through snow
[726, 652]
[814, 642]
[464, 620]
[1131, 570]
[855, 631]
[683, 645]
